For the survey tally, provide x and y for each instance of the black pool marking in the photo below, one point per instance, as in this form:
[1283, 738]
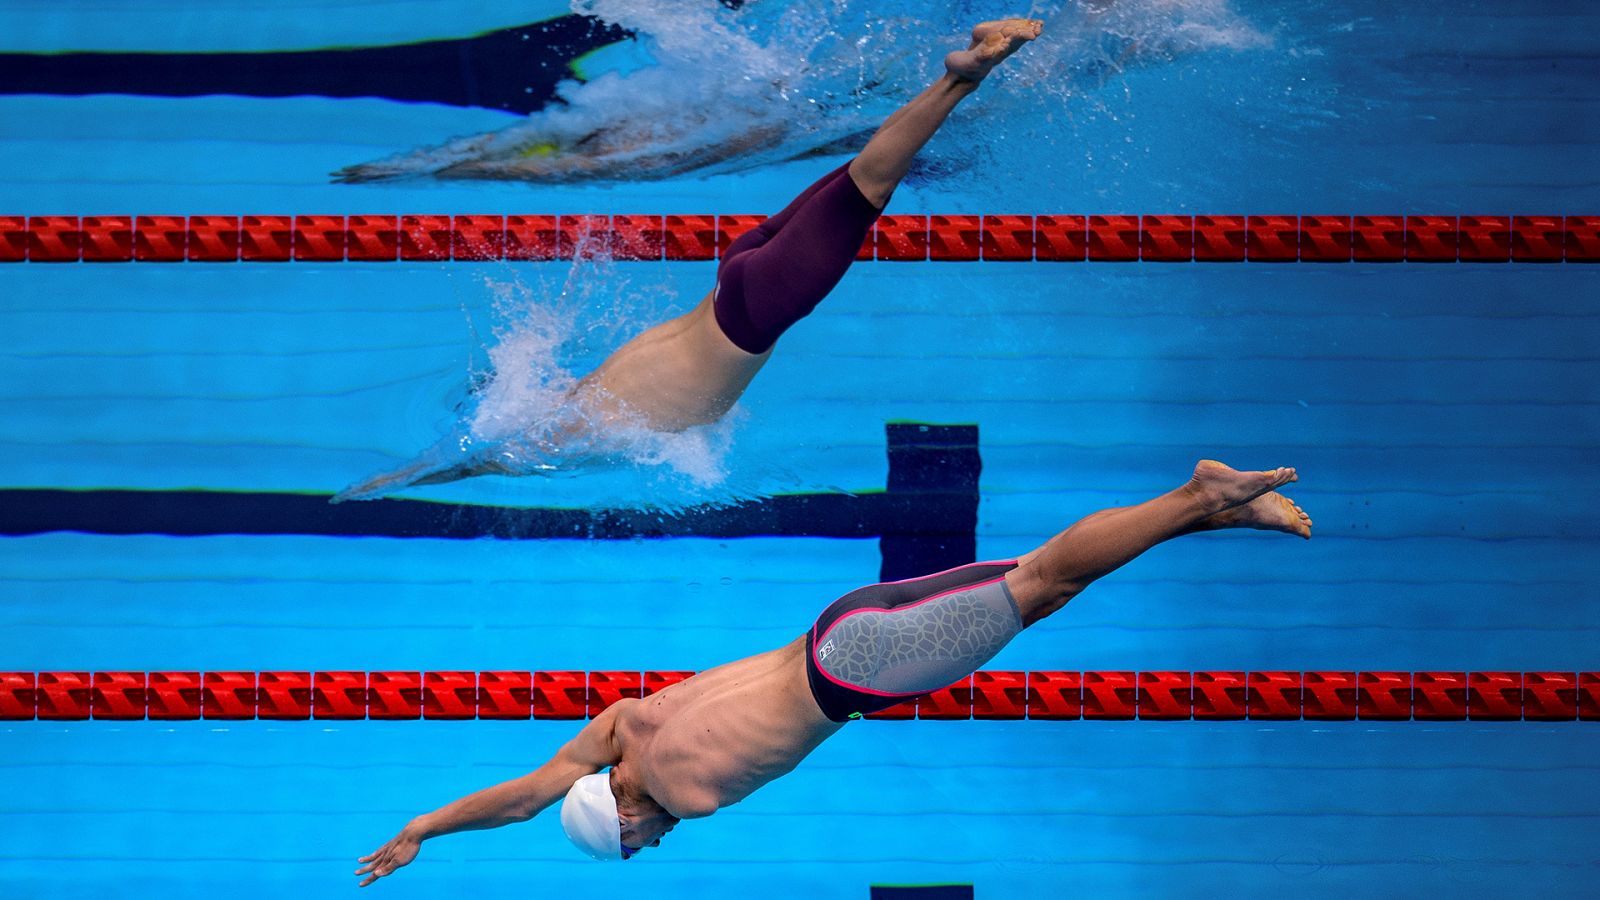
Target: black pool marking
[925, 520]
[514, 69]
[921, 892]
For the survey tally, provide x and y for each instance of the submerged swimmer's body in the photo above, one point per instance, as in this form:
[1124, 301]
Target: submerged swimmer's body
[711, 740]
[690, 371]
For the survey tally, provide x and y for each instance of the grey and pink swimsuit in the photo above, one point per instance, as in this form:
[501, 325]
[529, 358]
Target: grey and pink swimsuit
[884, 643]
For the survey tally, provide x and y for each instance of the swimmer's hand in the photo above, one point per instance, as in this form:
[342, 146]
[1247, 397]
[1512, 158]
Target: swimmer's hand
[401, 849]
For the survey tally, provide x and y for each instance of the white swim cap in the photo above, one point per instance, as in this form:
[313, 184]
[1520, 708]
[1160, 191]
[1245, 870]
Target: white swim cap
[589, 817]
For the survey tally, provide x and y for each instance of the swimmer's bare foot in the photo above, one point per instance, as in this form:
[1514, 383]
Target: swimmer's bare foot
[1271, 511]
[1218, 487]
[992, 42]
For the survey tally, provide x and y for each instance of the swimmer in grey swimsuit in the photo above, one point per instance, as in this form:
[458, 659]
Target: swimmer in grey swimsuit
[709, 741]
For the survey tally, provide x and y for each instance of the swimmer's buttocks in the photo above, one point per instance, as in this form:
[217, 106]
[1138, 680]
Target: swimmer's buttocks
[775, 274]
[882, 644]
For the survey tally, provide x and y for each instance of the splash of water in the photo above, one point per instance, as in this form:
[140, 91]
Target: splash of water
[734, 90]
[522, 416]
[525, 408]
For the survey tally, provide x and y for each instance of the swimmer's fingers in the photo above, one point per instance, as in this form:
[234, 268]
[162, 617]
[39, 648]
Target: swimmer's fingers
[380, 866]
[386, 859]
[373, 860]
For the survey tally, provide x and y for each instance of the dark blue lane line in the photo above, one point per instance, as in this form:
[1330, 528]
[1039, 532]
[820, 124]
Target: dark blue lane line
[514, 69]
[926, 519]
[195, 513]
[921, 892]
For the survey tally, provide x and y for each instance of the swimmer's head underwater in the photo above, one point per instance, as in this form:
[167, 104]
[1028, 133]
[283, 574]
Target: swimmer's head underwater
[607, 819]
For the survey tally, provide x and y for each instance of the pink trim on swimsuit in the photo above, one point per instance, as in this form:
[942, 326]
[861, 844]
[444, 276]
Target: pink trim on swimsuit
[987, 562]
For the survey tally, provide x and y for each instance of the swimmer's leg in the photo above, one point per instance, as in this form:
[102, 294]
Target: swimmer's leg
[1216, 497]
[777, 279]
[759, 235]
[887, 157]
[991, 43]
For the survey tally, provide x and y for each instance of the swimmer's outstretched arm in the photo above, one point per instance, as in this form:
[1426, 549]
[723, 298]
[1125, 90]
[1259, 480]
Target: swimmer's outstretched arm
[517, 800]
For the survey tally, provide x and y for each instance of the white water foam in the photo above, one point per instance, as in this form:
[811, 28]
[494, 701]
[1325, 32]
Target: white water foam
[519, 416]
[524, 395]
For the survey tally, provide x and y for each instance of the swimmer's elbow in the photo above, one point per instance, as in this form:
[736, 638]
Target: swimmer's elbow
[696, 810]
[596, 746]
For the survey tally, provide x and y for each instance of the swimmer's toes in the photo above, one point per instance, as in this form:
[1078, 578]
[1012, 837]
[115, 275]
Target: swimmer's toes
[992, 42]
[1299, 512]
[1298, 522]
[1012, 35]
[982, 30]
[1271, 512]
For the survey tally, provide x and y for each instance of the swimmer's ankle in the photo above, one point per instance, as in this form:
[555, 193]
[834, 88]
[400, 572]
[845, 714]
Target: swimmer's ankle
[955, 84]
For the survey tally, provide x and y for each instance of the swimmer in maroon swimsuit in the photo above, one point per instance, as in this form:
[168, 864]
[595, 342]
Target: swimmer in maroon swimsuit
[711, 740]
[691, 370]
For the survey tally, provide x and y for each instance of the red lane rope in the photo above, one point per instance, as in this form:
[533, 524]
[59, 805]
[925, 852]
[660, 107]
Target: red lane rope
[1045, 695]
[943, 238]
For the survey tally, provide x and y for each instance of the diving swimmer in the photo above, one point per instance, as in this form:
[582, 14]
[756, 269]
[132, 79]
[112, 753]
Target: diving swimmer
[711, 740]
[691, 370]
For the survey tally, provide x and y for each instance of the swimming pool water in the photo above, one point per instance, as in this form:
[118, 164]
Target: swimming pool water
[1444, 419]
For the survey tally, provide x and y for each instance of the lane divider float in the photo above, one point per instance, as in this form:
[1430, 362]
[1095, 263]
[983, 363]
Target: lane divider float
[1389, 696]
[899, 238]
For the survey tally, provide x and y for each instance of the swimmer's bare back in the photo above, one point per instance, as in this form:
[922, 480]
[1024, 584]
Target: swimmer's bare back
[676, 375]
[691, 370]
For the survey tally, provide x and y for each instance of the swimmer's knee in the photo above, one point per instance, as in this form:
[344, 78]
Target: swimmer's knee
[874, 189]
[1037, 596]
[1049, 607]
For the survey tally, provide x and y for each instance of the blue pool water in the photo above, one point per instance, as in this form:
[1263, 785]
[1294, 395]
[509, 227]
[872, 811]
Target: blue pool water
[1445, 420]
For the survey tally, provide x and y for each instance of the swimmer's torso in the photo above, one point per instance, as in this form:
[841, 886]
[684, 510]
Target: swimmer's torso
[677, 375]
[711, 740]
